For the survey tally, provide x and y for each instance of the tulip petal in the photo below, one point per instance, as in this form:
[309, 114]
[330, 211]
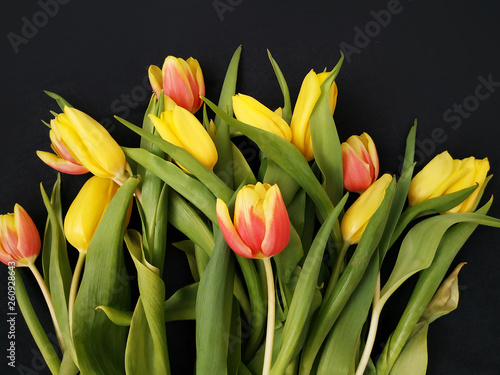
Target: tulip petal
[249, 219]
[8, 235]
[176, 83]
[61, 165]
[277, 223]
[229, 231]
[200, 82]
[357, 177]
[155, 79]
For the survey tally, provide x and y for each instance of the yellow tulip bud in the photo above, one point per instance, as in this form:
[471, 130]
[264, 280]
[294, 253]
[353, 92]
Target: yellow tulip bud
[252, 112]
[180, 127]
[359, 214]
[86, 211]
[90, 144]
[444, 175]
[308, 96]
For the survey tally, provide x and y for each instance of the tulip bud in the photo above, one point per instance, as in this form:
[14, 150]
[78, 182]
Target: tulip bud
[308, 96]
[178, 126]
[19, 239]
[181, 80]
[252, 112]
[87, 209]
[359, 214]
[261, 226]
[444, 175]
[80, 139]
[359, 163]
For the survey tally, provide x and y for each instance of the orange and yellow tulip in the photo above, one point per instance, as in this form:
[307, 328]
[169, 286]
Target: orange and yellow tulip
[261, 226]
[19, 239]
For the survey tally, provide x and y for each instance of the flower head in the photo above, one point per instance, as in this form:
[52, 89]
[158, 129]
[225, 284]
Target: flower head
[359, 162]
[181, 80]
[360, 212]
[19, 239]
[87, 209]
[261, 226]
[181, 128]
[252, 112]
[309, 94]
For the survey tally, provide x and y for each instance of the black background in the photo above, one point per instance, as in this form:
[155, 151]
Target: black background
[428, 57]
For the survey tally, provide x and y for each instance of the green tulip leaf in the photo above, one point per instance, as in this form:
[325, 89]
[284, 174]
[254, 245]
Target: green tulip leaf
[99, 344]
[190, 188]
[287, 104]
[333, 304]
[276, 175]
[34, 325]
[148, 322]
[242, 173]
[325, 140]
[413, 358]
[59, 99]
[304, 293]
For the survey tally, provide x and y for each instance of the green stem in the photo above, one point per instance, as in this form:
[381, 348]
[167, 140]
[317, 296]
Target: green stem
[50, 305]
[339, 263]
[270, 317]
[370, 340]
[74, 286]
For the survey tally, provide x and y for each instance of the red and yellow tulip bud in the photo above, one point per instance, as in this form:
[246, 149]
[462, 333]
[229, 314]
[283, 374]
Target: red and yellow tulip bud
[180, 127]
[359, 214]
[261, 226]
[61, 160]
[444, 175]
[252, 112]
[87, 209]
[308, 96]
[181, 80]
[89, 144]
[359, 163]
[19, 239]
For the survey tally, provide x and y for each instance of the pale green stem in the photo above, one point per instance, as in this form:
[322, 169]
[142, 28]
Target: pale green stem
[270, 317]
[74, 286]
[50, 305]
[370, 340]
[337, 268]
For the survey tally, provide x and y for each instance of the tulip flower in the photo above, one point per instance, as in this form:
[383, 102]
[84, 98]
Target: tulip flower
[445, 175]
[83, 141]
[181, 80]
[252, 112]
[261, 226]
[62, 160]
[358, 215]
[19, 239]
[359, 163]
[181, 128]
[86, 211]
[308, 96]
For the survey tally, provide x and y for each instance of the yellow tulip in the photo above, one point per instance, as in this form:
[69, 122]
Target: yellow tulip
[444, 175]
[308, 96]
[89, 144]
[359, 214]
[181, 128]
[86, 211]
[252, 112]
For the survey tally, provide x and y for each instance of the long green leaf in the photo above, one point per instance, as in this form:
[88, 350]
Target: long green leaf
[36, 329]
[304, 293]
[325, 140]
[287, 104]
[150, 317]
[190, 188]
[214, 297]
[99, 344]
[334, 303]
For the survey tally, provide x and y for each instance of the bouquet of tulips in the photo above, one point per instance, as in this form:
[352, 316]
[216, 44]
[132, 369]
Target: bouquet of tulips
[285, 252]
